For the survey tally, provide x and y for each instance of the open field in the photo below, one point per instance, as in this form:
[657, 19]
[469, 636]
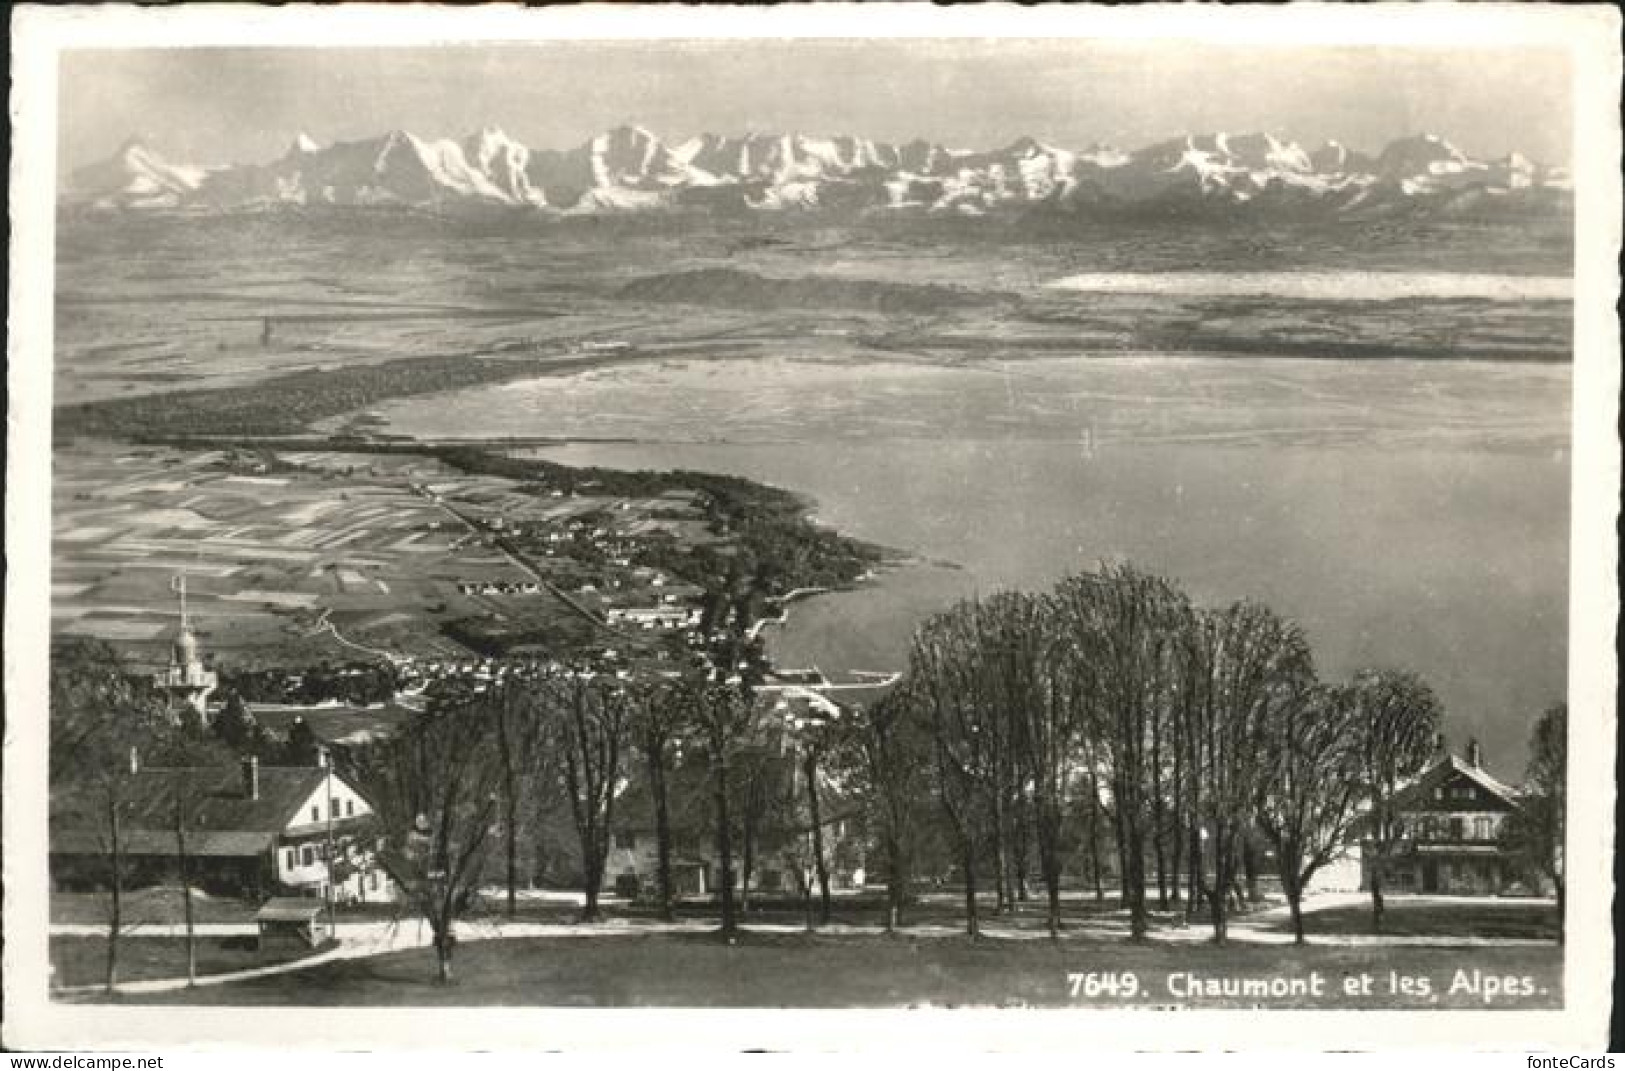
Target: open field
[308, 557]
[1530, 920]
[800, 970]
[78, 960]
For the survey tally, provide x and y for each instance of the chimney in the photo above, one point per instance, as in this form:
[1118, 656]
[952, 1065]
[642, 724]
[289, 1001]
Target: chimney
[135, 760]
[251, 777]
[321, 756]
[1475, 754]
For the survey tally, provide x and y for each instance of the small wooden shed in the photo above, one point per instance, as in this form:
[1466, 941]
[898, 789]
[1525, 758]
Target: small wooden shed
[293, 920]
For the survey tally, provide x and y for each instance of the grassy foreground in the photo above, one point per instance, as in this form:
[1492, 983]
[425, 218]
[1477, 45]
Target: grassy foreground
[802, 970]
[1528, 920]
[82, 959]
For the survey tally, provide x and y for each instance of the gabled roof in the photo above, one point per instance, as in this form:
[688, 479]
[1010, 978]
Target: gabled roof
[1419, 791]
[289, 909]
[219, 802]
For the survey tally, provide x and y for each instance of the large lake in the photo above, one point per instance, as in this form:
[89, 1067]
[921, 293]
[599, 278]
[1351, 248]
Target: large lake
[1407, 513]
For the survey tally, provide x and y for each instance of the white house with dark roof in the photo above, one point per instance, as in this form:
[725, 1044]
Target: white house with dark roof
[1450, 822]
[251, 830]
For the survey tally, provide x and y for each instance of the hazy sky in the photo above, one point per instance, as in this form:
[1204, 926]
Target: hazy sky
[213, 105]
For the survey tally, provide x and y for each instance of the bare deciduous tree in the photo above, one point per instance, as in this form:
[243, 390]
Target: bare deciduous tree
[522, 734]
[725, 719]
[950, 686]
[1123, 624]
[890, 756]
[594, 721]
[1533, 833]
[658, 721]
[1309, 801]
[101, 719]
[1243, 662]
[435, 790]
[1397, 721]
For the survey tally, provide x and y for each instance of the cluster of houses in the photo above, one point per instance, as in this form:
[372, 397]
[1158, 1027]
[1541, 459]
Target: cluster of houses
[498, 587]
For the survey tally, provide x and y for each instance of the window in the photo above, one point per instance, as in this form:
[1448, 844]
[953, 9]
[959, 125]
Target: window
[316, 814]
[307, 855]
[293, 858]
[1457, 832]
[349, 808]
[372, 880]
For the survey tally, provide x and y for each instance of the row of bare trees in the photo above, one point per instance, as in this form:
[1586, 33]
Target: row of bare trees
[1191, 727]
[455, 786]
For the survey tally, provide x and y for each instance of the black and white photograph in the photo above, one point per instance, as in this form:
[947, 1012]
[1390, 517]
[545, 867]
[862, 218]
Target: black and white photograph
[960, 511]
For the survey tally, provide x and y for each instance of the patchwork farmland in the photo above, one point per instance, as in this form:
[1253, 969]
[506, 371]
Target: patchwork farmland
[305, 555]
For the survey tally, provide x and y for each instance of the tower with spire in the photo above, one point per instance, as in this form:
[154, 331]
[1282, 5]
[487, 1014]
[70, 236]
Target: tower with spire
[186, 680]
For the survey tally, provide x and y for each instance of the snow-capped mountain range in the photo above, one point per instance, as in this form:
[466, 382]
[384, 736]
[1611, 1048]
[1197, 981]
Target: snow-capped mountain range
[629, 169]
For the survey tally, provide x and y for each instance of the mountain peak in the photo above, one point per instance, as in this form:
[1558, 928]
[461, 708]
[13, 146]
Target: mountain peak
[629, 168]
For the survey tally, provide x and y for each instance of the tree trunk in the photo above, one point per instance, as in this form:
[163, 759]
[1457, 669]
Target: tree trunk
[1121, 829]
[1158, 814]
[1376, 896]
[1221, 882]
[1001, 860]
[725, 853]
[594, 882]
[1094, 839]
[805, 881]
[819, 865]
[1133, 853]
[747, 864]
[1193, 899]
[1294, 899]
[1562, 907]
[972, 929]
[1176, 855]
[1249, 866]
[183, 872]
[1052, 884]
[896, 881]
[1020, 836]
[1158, 848]
[510, 830]
[1138, 923]
[1048, 821]
[442, 954]
[116, 887]
[657, 788]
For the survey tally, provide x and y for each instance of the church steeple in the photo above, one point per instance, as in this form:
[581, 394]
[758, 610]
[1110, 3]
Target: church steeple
[187, 680]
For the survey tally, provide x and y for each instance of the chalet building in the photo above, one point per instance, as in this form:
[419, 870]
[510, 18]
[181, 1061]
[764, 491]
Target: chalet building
[253, 831]
[782, 852]
[1450, 826]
